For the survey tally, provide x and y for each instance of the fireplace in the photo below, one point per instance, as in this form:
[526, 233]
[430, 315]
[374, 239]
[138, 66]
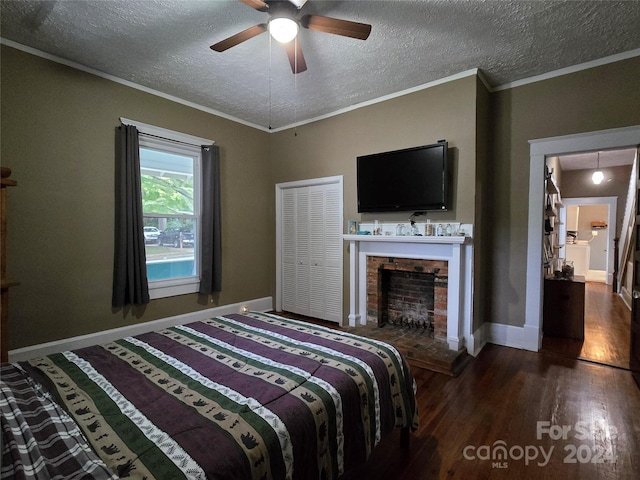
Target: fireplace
[447, 259]
[408, 293]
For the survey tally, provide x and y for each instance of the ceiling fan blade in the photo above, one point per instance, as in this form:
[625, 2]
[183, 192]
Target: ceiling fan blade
[296, 58]
[345, 28]
[244, 35]
[257, 4]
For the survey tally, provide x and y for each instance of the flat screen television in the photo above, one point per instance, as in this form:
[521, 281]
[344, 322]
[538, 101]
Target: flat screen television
[413, 179]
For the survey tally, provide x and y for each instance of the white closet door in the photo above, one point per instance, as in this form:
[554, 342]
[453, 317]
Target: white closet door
[317, 246]
[311, 247]
[288, 242]
[333, 252]
[302, 252]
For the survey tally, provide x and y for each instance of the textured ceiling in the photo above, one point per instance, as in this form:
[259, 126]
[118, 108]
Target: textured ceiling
[163, 45]
[589, 160]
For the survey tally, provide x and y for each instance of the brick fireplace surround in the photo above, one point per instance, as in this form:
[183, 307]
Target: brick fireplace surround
[448, 258]
[418, 295]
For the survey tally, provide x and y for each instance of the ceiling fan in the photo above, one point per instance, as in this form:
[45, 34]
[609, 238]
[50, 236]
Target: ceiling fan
[283, 25]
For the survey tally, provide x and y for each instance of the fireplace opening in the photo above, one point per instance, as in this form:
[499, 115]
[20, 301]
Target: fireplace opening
[407, 300]
[409, 294]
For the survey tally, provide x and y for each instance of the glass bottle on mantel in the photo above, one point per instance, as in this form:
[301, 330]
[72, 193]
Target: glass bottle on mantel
[428, 228]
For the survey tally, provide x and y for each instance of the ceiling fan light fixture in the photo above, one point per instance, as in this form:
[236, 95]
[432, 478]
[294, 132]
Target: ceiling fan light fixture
[283, 29]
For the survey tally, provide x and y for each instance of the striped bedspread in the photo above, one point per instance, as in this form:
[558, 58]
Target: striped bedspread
[251, 396]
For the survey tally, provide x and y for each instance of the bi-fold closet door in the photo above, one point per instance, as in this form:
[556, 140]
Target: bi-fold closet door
[311, 246]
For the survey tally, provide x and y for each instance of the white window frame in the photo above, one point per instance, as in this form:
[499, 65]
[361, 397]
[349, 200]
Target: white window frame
[189, 146]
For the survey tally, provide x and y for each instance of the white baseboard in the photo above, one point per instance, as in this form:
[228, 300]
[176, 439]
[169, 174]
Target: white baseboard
[599, 276]
[477, 340]
[105, 336]
[525, 338]
[625, 295]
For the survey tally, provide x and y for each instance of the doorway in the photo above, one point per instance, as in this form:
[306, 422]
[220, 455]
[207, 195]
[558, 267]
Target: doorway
[597, 245]
[607, 323]
[540, 149]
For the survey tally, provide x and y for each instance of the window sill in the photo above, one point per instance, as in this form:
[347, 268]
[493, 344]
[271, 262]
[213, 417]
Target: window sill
[170, 289]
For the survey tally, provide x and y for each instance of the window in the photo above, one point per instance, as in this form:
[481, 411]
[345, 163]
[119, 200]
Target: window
[170, 181]
[170, 177]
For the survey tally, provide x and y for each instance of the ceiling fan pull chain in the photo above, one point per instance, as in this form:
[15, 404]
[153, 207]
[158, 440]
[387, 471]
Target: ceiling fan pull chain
[295, 93]
[269, 82]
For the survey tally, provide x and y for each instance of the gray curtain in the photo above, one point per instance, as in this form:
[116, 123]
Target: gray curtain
[130, 286]
[211, 251]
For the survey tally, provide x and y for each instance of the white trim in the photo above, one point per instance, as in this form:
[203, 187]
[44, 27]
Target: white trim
[474, 71]
[568, 70]
[158, 290]
[424, 86]
[166, 133]
[187, 147]
[21, 354]
[626, 288]
[539, 150]
[614, 138]
[478, 339]
[599, 276]
[505, 335]
[456, 251]
[127, 83]
[309, 182]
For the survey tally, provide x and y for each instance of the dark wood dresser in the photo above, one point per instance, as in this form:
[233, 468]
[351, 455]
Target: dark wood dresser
[563, 313]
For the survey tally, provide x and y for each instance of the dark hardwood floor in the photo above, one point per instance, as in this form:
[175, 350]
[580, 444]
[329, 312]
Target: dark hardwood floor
[523, 401]
[606, 329]
[504, 397]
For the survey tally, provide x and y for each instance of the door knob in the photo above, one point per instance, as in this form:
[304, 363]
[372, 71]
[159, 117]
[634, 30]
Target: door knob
[636, 294]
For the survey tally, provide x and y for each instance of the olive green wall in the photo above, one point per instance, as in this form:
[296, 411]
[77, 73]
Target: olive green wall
[329, 147]
[599, 98]
[58, 138]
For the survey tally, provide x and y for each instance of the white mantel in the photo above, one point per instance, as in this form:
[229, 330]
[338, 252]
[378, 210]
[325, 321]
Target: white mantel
[456, 250]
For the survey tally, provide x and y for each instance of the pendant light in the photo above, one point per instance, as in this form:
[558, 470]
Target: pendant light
[597, 176]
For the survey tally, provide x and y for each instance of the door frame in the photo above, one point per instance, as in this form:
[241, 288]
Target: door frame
[280, 188]
[539, 149]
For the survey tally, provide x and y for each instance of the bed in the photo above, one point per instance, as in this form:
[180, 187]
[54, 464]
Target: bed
[241, 396]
